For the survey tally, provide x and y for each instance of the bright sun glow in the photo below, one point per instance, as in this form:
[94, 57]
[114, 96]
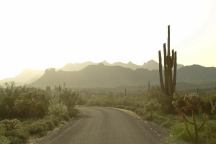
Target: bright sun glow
[50, 33]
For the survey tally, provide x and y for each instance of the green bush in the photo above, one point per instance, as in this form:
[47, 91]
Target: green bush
[37, 128]
[22, 134]
[58, 109]
[22, 102]
[4, 140]
[28, 104]
[16, 140]
[2, 129]
[73, 112]
[178, 133]
[40, 127]
[49, 124]
[13, 132]
[209, 133]
[11, 124]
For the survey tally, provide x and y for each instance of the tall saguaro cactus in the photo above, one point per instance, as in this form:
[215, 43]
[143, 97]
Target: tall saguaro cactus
[168, 77]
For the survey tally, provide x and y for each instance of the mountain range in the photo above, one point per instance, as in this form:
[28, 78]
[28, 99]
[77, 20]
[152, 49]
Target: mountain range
[150, 65]
[28, 76]
[103, 76]
[25, 77]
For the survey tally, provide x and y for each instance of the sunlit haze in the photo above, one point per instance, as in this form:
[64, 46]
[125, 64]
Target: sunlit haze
[50, 33]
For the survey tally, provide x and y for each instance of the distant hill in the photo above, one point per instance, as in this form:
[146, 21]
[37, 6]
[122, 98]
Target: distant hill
[25, 77]
[80, 66]
[126, 65]
[153, 65]
[76, 66]
[197, 74]
[96, 76]
[115, 76]
[150, 65]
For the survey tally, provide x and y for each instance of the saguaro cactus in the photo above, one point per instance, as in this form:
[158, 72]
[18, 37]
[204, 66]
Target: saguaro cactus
[168, 77]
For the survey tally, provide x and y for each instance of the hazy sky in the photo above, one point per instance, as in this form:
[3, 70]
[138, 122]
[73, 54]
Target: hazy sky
[49, 33]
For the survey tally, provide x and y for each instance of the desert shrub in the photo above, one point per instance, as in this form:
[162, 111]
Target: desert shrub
[62, 102]
[2, 129]
[14, 131]
[73, 112]
[178, 133]
[40, 127]
[37, 128]
[20, 135]
[58, 109]
[55, 120]
[15, 140]
[10, 124]
[68, 97]
[209, 132]
[30, 104]
[22, 102]
[151, 106]
[4, 140]
[39, 110]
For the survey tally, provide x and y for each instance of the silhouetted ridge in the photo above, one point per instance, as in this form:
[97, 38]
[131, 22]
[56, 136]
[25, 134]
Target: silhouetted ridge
[114, 76]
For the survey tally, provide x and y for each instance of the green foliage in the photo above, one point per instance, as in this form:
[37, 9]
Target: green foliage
[23, 102]
[58, 109]
[2, 129]
[32, 104]
[14, 131]
[209, 132]
[40, 111]
[178, 133]
[192, 105]
[11, 124]
[151, 106]
[4, 140]
[40, 127]
[20, 134]
[68, 97]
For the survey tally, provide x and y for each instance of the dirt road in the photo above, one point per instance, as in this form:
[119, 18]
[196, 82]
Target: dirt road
[98, 125]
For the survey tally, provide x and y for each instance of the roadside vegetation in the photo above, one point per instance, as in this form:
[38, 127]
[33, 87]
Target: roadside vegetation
[30, 112]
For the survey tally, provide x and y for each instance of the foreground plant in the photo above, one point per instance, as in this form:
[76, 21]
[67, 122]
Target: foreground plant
[151, 106]
[190, 110]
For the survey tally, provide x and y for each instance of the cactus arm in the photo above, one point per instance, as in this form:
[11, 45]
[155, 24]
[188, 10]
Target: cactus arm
[161, 71]
[174, 73]
[173, 57]
[165, 70]
[168, 40]
[165, 54]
